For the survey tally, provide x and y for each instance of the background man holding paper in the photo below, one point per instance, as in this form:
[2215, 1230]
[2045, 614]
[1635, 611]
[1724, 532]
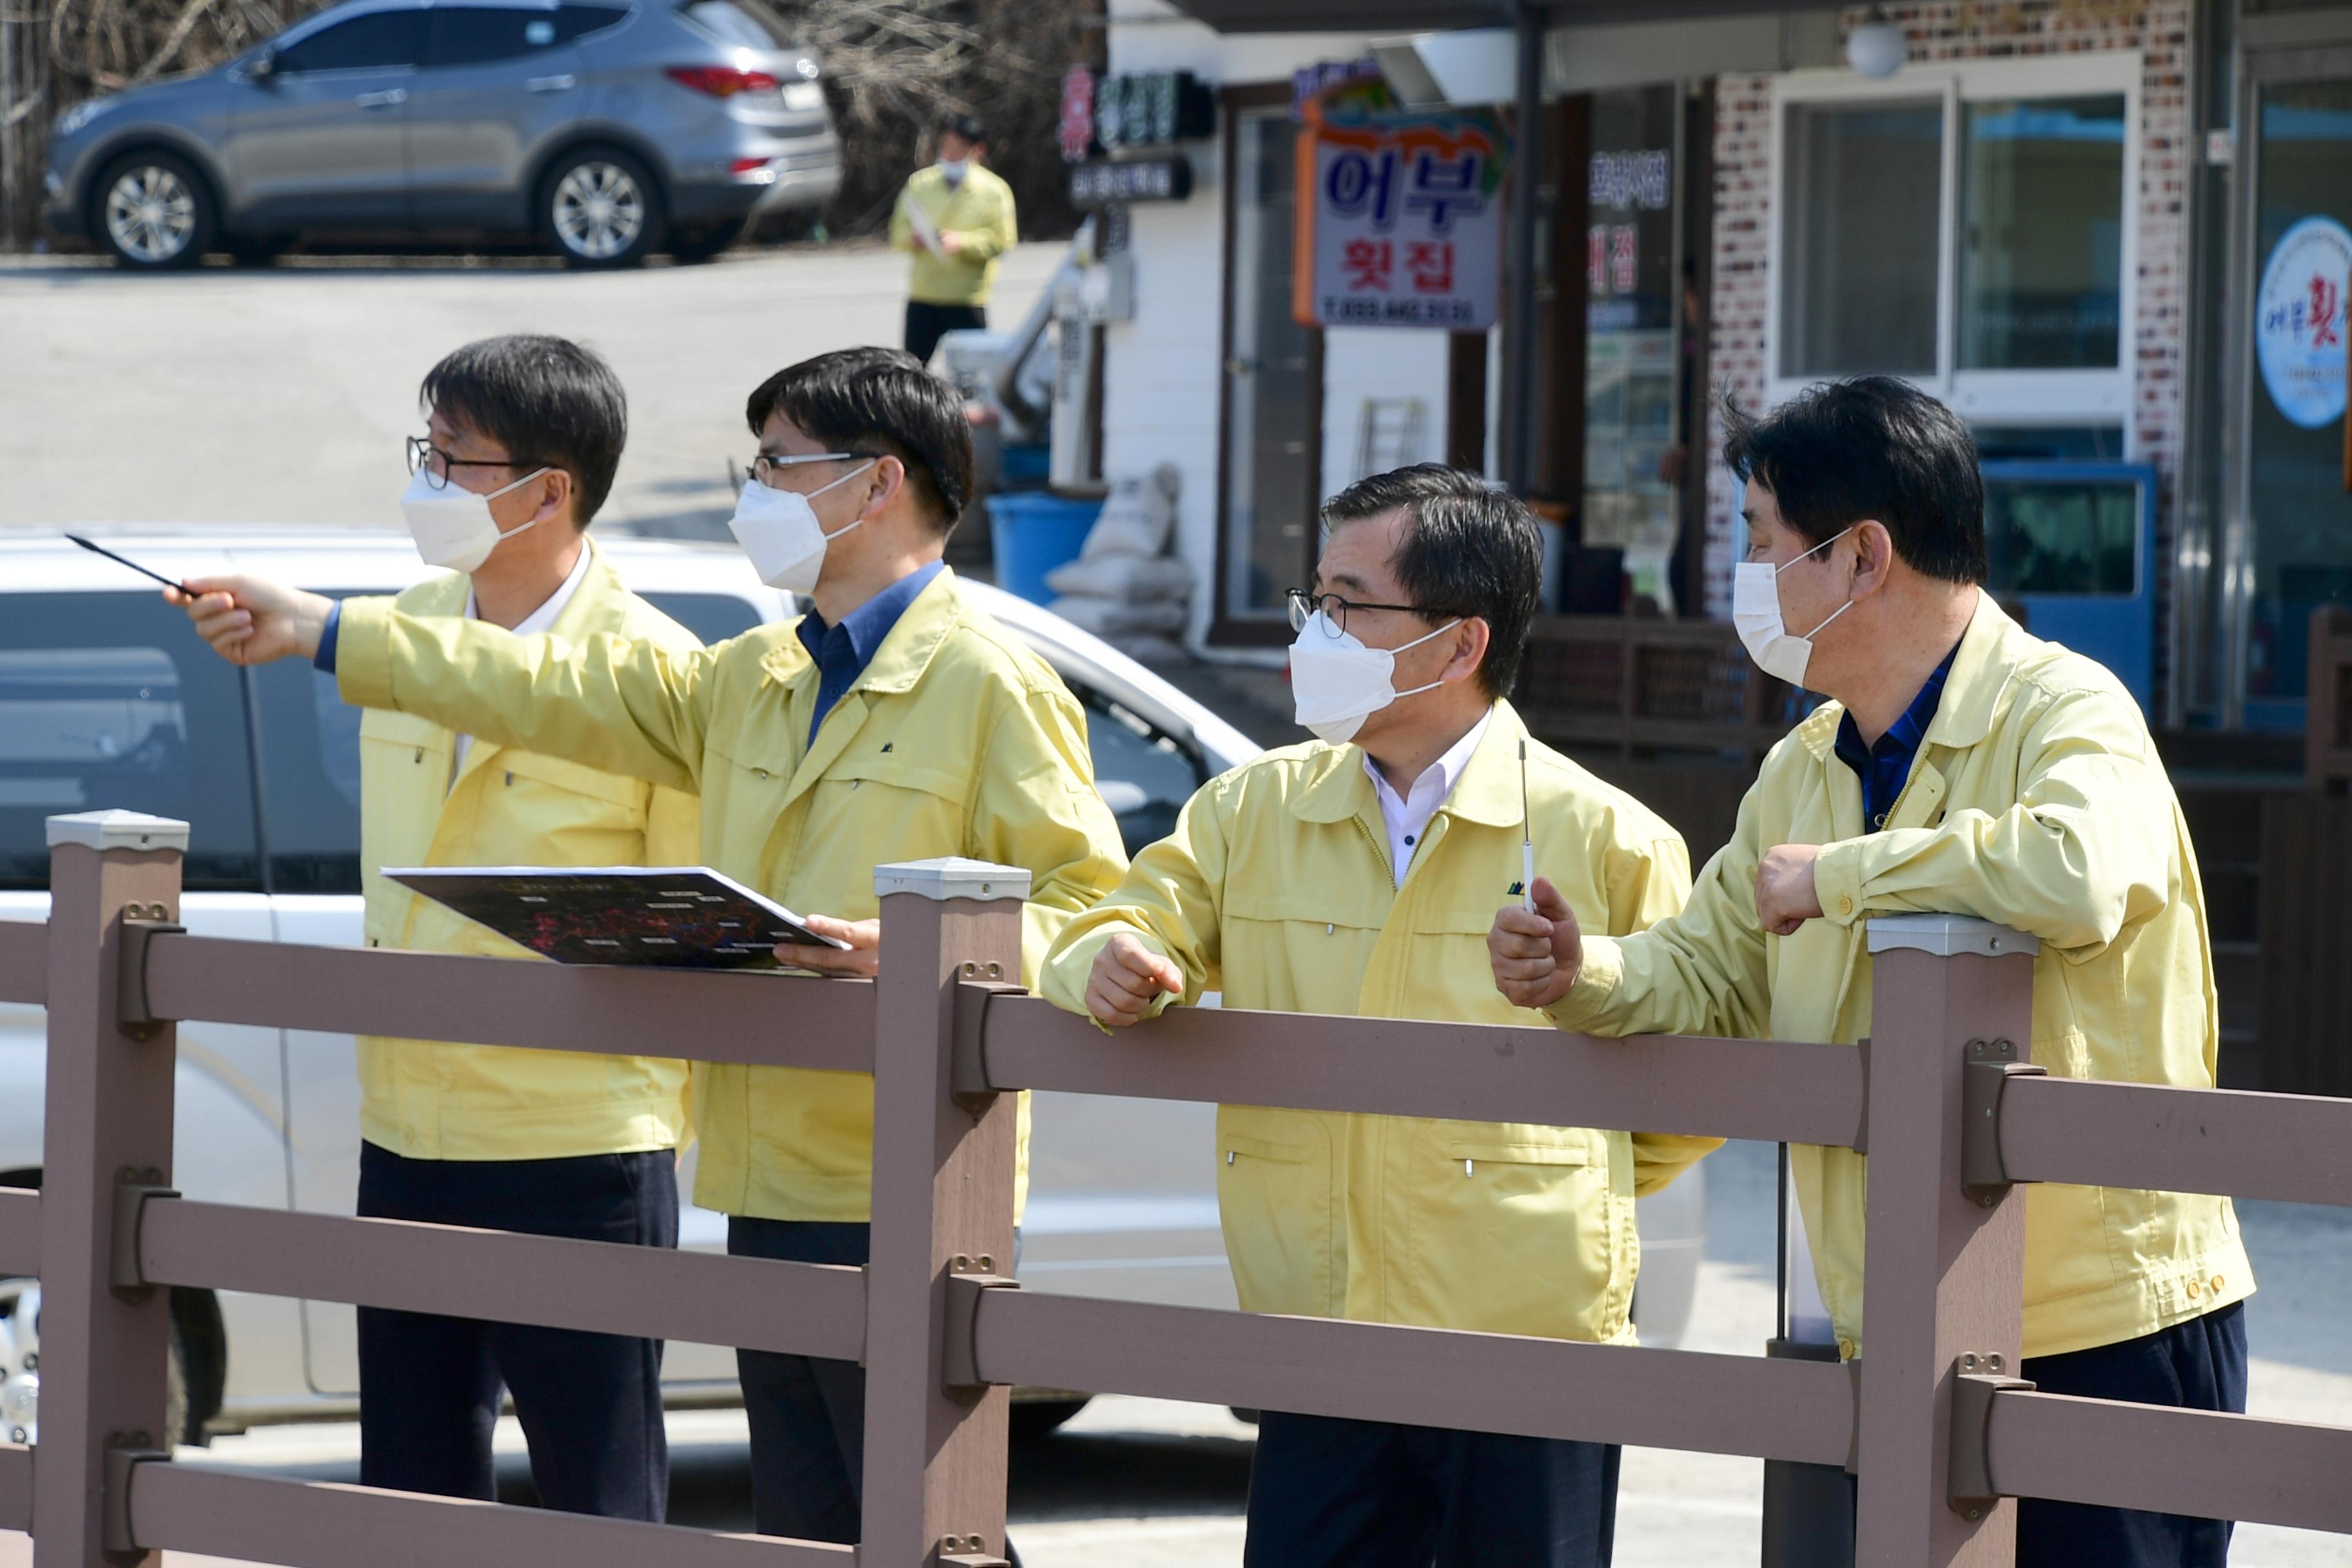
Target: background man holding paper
[956, 218]
[894, 722]
[523, 436]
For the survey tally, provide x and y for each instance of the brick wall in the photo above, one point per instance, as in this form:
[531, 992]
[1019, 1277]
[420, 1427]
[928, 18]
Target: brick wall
[1971, 30]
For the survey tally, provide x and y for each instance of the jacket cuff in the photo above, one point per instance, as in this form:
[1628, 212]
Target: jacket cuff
[364, 652]
[1586, 1002]
[1837, 881]
[1066, 974]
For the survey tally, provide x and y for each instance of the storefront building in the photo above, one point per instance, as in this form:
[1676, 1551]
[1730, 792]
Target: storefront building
[2112, 236]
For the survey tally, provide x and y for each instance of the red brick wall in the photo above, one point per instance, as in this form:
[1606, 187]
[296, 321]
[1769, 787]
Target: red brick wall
[1970, 29]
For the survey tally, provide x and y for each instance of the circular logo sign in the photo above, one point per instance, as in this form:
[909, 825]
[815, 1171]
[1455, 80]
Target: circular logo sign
[2299, 323]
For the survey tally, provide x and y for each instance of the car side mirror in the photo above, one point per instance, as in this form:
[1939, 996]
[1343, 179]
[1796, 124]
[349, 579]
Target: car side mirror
[262, 66]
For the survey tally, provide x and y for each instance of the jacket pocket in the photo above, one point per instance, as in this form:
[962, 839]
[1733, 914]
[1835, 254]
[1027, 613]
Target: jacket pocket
[611, 789]
[1274, 1194]
[1515, 1235]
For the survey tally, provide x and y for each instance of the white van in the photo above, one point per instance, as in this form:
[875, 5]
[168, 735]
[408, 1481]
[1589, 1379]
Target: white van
[107, 699]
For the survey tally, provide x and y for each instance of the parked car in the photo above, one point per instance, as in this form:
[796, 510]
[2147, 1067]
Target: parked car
[107, 699]
[606, 129]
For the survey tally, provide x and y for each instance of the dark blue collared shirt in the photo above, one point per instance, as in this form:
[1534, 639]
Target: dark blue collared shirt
[1885, 767]
[843, 652]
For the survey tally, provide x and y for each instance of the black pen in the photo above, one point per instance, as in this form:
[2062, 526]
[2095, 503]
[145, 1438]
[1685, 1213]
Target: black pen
[110, 555]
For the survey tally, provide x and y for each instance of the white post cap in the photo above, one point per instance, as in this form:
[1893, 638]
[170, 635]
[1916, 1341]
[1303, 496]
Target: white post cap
[952, 877]
[1944, 935]
[118, 830]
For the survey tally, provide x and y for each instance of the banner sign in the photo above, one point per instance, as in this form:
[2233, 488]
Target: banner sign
[2299, 321]
[1400, 214]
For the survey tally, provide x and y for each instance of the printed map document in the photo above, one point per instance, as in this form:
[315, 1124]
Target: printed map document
[681, 917]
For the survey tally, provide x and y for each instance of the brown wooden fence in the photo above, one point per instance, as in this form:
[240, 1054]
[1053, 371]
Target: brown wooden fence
[1932, 1418]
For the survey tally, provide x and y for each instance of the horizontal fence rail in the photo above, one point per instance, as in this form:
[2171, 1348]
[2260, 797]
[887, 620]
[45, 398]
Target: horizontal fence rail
[20, 1231]
[1958, 1117]
[753, 1304]
[1382, 1372]
[16, 1487]
[2291, 1147]
[322, 1524]
[1770, 1089]
[761, 1017]
[24, 962]
[2203, 1463]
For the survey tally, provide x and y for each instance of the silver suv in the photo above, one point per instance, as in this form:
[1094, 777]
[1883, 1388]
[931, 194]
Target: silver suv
[607, 130]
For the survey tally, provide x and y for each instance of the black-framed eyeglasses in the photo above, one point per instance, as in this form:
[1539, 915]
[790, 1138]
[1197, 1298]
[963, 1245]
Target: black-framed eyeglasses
[1303, 605]
[769, 466]
[435, 464]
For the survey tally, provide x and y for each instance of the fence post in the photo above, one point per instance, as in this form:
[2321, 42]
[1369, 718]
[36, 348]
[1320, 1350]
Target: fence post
[1944, 1267]
[943, 1172]
[109, 1125]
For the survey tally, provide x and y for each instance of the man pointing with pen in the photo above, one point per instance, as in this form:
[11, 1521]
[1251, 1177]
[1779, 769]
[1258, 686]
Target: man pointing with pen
[1961, 767]
[897, 721]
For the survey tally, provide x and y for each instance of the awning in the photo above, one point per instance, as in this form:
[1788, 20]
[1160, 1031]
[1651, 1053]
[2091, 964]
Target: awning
[1429, 15]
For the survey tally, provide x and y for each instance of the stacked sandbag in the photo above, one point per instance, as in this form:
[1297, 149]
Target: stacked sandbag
[1124, 587]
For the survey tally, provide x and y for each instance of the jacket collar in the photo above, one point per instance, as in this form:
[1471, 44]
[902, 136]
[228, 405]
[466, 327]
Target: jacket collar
[1336, 787]
[905, 654]
[1989, 652]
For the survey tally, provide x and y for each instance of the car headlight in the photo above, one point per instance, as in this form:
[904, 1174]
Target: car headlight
[81, 114]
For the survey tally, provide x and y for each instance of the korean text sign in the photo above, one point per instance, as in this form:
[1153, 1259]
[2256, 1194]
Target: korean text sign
[1400, 214]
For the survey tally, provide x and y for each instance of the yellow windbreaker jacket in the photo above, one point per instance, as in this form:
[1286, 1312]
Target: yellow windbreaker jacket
[2037, 801]
[430, 1100]
[978, 212]
[1277, 889]
[955, 740]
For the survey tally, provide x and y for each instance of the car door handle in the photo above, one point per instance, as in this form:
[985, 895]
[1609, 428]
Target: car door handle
[384, 99]
[551, 83]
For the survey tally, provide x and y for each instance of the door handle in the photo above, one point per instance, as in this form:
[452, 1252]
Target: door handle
[384, 99]
[551, 83]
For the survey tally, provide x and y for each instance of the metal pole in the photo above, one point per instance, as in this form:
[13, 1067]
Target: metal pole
[1519, 345]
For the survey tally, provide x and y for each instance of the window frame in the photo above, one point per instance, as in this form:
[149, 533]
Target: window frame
[2101, 396]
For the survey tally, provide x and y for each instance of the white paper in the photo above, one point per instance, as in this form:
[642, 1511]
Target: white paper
[925, 231]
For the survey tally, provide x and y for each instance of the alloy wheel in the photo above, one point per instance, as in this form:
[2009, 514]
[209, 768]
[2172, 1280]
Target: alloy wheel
[599, 210]
[20, 1360]
[151, 214]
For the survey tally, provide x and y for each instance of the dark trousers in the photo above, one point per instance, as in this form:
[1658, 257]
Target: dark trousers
[2197, 1365]
[807, 1416]
[1376, 1494]
[589, 1405]
[925, 324]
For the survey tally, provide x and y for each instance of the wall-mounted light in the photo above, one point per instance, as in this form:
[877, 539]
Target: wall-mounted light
[1876, 47]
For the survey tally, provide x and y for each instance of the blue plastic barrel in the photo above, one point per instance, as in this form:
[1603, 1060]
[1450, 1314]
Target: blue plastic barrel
[1032, 533]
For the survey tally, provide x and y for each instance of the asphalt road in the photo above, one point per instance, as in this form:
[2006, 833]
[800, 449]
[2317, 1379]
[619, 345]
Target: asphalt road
[283, 394]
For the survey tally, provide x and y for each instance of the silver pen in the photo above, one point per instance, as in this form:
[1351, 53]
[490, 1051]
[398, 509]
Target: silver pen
[1527, 838]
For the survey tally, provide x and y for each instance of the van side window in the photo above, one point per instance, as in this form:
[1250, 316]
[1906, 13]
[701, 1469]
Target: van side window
[110, 700]
[310, 746]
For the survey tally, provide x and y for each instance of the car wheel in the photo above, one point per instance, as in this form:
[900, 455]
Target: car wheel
[600, 208]
[691, 249]
[154, 211]
[1036, 1417]
[20, 1360]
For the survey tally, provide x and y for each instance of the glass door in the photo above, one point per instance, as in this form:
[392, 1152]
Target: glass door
[2290, 540]
[1274, 389]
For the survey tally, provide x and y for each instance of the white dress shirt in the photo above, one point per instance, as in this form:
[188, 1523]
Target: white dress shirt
[538, 621]
[1407, 819]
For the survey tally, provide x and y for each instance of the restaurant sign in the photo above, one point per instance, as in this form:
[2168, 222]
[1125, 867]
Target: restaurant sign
[1401, 220]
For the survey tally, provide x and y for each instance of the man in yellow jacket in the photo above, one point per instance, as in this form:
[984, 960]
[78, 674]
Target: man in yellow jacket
[1962, 767]
[956, 217]
[897, 722]
[1353, 876]
[523, 436]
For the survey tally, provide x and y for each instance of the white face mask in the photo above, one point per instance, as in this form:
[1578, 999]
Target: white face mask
[779, 530]
[1337, 682]
[955, 169]
[1755, 615]
[452, 525]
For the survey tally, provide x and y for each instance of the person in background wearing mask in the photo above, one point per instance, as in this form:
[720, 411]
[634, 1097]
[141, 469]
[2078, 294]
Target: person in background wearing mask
[1351, 876]
[523, 436]
[897, 721]
[1959, 767]
[956, 218]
